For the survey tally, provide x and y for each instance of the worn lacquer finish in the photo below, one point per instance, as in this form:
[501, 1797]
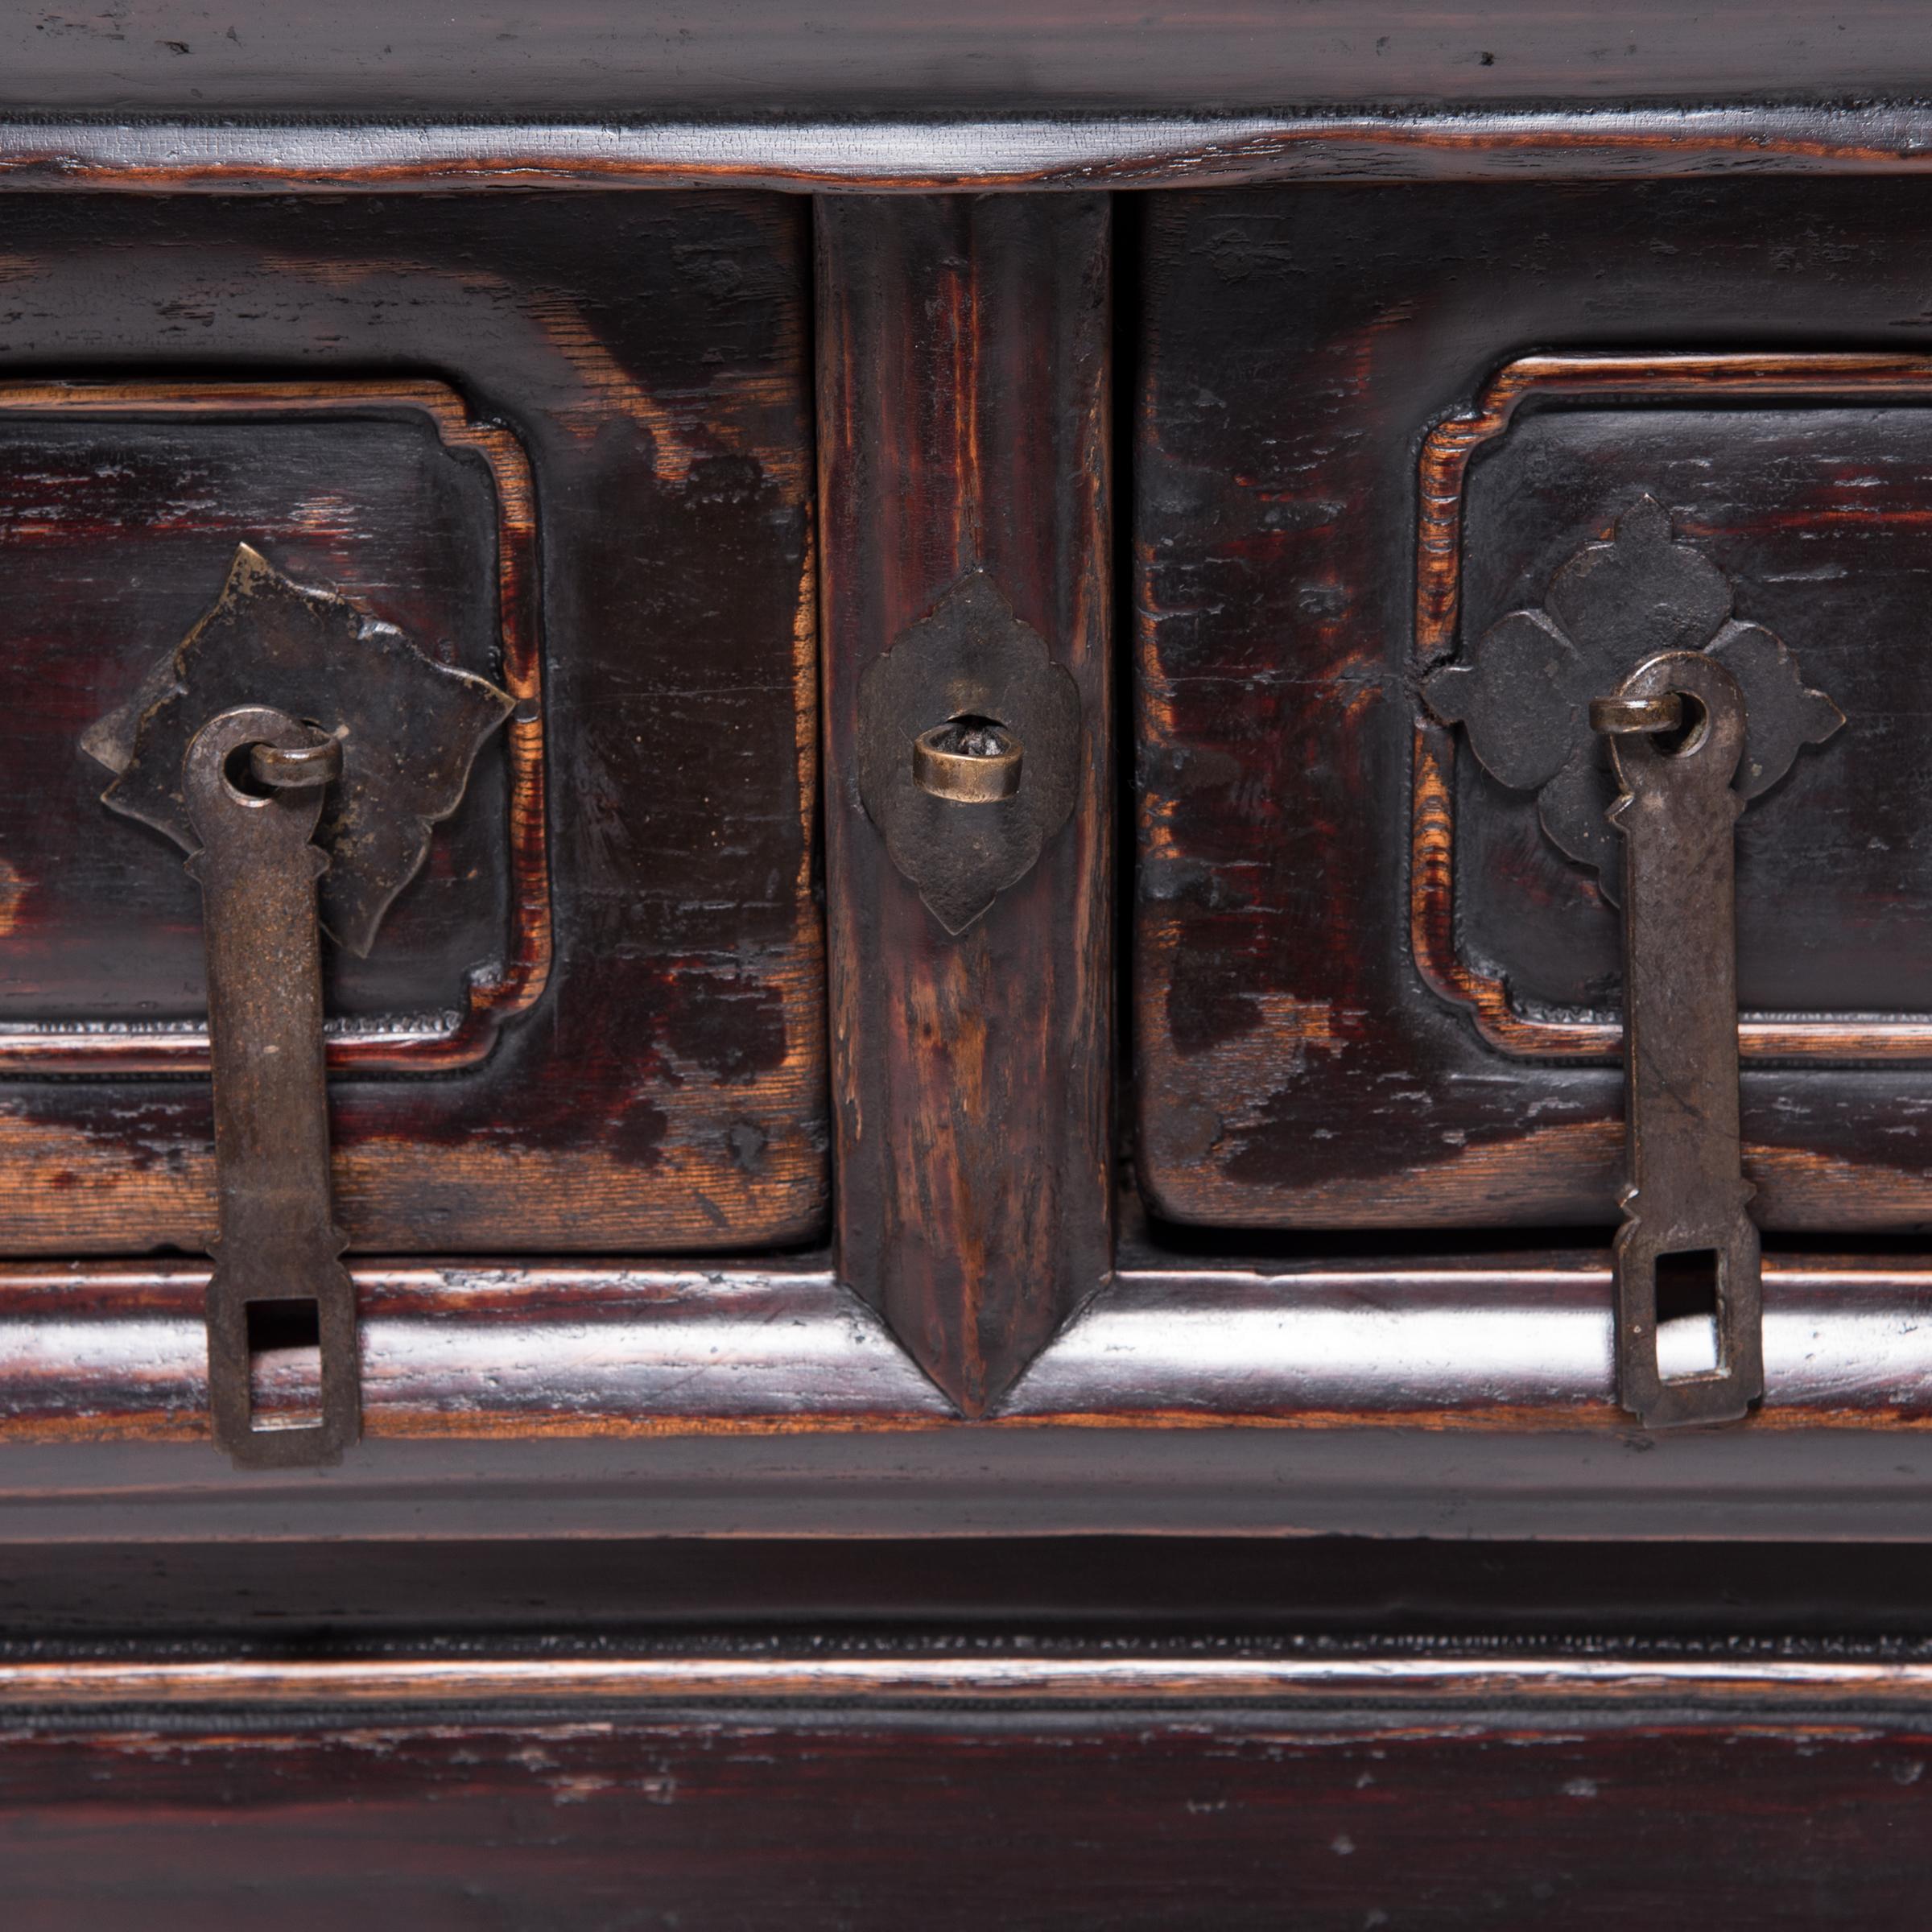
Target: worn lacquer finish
[962, 427]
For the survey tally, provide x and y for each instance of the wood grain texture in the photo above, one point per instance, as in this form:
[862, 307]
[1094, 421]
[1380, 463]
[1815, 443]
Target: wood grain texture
[649, 355]
[963, 426]
[1170, 1789]
[1299, 1069]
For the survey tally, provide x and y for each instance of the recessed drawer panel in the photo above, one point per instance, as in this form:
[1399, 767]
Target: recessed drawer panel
[1789, 536]
[121, 509]
[1422, 473]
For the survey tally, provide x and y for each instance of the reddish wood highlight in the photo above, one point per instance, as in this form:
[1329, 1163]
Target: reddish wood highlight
[963, 422]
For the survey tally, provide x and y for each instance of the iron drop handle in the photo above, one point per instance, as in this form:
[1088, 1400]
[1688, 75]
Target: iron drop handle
[1685, 1202]
[253, 782]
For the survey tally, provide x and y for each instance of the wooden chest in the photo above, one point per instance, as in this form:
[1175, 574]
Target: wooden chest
[877, 1043]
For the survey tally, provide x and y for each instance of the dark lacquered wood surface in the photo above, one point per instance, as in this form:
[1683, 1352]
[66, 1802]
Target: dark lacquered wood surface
[603, 58]
[622, 1449]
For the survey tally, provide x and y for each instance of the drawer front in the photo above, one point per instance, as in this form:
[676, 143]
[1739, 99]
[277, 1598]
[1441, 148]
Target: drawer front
[560, 447]
[1419, 473]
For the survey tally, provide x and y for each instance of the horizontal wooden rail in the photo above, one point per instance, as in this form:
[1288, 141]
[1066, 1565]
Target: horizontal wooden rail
[279, 154]
[115, 1350]
[522, 1400]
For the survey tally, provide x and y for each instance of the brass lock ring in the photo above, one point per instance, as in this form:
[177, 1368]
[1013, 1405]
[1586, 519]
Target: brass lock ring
[967, 761]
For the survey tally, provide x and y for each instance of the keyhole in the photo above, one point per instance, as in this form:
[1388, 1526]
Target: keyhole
[970, 735]
[237, 768]
[1688, 734]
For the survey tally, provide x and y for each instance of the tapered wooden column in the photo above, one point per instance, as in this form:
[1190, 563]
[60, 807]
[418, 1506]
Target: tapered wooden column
[962, 424]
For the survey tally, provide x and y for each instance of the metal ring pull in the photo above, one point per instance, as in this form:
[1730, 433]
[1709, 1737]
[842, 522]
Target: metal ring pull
[967, 761]
[298, 767]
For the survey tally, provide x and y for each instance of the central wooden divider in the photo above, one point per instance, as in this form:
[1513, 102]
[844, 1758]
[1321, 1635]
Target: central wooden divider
[963, 422]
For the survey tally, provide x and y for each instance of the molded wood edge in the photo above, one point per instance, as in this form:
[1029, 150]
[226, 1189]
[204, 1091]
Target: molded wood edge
[99, 1353]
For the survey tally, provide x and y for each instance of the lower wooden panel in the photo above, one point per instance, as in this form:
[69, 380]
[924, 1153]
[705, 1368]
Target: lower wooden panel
[1020, 1789]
